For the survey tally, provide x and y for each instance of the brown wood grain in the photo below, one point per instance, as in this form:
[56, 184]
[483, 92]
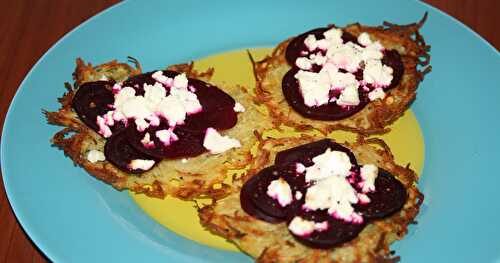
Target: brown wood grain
[29, 27]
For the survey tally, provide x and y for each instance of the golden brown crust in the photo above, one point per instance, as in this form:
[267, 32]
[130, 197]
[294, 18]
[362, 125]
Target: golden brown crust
[201, 176]
[377, 115]
[272, 242]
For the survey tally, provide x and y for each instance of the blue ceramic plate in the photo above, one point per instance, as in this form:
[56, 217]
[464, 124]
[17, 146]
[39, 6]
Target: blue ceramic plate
[75, 218]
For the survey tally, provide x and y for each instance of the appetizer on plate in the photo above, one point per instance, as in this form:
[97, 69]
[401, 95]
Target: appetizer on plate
[161, 133]
[310, 200]
[357, 78]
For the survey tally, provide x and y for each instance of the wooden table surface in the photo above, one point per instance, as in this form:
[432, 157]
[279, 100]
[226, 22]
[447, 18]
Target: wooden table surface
[29, 27]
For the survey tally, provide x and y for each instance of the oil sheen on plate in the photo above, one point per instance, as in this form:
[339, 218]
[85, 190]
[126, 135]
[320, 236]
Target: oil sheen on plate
[234, 67]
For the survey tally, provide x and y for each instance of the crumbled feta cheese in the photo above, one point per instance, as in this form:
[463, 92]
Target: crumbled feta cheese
[104, 129]
[216, 143]
[300, 168]
[94, 156]
[166, 136]
[377, 93]
[301, 227]
[330, 188]
[155, 103]
[363, 198]
[141, 124]
[333, 35]
[321, 226]
[377, 74]
[298, 195]
[303, 63]
[158, 76]
[310, 42]
[146, 140]
[333, 193]
[280, 190]
[171, 108]
[349, 96]
[364, 39]
[180, 81]
[315, 87]
[317, 59]
[184, 160]
[330, 163]
[141, 164]
[369, 173]
[238, 107]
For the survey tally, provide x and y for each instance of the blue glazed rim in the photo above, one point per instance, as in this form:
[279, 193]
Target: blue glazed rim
[115, 229]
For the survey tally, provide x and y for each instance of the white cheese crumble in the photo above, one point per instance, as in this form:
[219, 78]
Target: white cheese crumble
[377, 93]
[330, 163]
[303, 63]
[238, 107]
[369, 173]
[300, 168]
[349, 96]
[94, 156]
[216, 143]
[331, 189]
[377, 74]
[146, 109]
[303, 227]
[166, 136]
[298, 195]
[280, 190]
[315, 87]
[141, 164]
[146, 140]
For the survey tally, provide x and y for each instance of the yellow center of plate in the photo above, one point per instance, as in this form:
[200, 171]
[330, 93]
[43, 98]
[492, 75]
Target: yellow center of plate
[405, 140]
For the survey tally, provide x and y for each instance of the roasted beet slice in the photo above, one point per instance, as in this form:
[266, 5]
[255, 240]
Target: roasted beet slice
[189, 143]
[248, 205]
[389, 197]
[119, 152]
[217, 105]
[330, 111]
[297, 48]
[217, 112]
[304, 153]
[258, 184]
[338, 231]
[92, 99]
[393, 59]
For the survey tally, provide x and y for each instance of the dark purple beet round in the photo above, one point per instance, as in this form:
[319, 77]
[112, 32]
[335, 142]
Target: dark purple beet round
[190, 143]
[217, 105]
[92, 99]
[330, 111]
[258, 184]
[119, 152]
[389, 197]
[304, 153]
[248, 205]
[392, 58]
[338, 231]
[218, 111]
